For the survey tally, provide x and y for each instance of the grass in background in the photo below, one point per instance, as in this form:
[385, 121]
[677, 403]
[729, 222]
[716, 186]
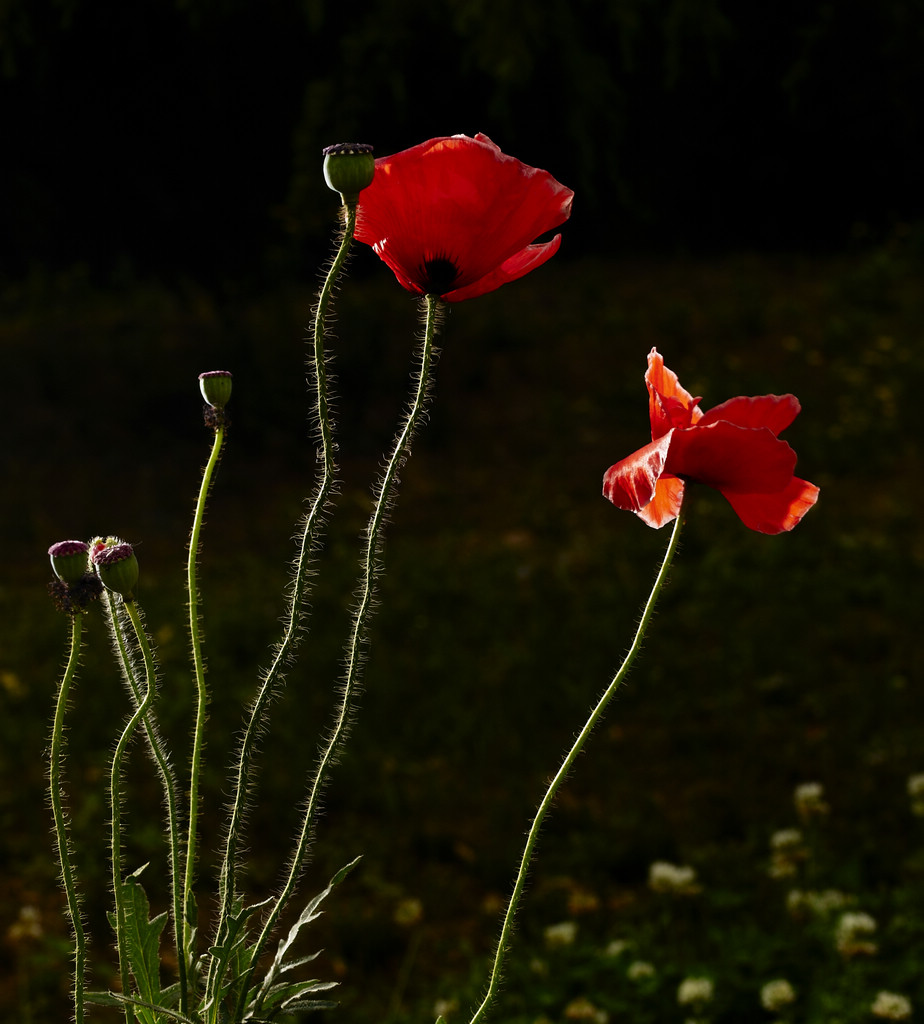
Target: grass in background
[510, 595]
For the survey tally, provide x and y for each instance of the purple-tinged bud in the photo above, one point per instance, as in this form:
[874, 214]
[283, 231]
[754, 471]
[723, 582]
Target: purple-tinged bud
[349, 167]
[117, 567]
[215, 386]
[70, 560]
[76, 585]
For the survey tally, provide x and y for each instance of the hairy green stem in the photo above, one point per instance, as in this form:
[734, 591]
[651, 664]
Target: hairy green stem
[187, 922]
[563, 771]
[161, 758]
[55, 765]
[311, 527]
[115, 794]
[371, 569]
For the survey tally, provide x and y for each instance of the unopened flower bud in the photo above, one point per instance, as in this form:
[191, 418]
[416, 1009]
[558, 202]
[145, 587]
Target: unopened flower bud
[70, 560]
[117, 568]
[215, 386]
[348, 168]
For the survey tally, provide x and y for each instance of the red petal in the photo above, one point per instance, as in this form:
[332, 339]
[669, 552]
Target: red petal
[631, 483]
[775, 412]
[664, 507]
[775, 513]
[463, 201]
[517, 266]
[732, 458]
[669, 405]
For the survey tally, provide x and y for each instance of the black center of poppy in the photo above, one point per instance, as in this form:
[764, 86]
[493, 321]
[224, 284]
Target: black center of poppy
[439, 275]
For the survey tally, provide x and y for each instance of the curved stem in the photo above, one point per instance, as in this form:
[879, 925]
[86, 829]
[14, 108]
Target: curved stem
[186, 925]
[371, 568]
[562, 774]
[115, 790]
[310, 533]
[161, 760]
[55, 765]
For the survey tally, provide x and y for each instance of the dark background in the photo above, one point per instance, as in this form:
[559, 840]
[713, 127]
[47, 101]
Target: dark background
[185, 137]
[748, 199]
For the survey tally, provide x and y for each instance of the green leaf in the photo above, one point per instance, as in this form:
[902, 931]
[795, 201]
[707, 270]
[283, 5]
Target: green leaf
[309, 913]
[311, 1004]
[271, 993]
[281, 995]
[117, 999]
[300, 962]
[142, 942]
[103, 998]
[232, 954]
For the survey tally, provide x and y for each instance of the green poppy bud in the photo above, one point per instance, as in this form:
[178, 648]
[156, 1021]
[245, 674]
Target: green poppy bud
[70, 560]
[348, 168]
[117, 567]
[215, 386]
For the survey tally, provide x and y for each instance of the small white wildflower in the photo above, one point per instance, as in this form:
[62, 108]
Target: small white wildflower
[694, 991]
[786, 839]
[891, 1006]
[787, 850]
[563, 934]
[850, 936]
[616, 947]
[638, 970]
[809, 800]
[818, 903]
[666, 877]
[777, 994]
[828, 900]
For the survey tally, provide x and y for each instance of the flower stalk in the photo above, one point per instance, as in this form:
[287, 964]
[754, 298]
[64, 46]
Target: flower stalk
[565, 769]
[115, 800]
[55, 767]
[186, 925]
[371, 569]
[161, 759]
[311, 528]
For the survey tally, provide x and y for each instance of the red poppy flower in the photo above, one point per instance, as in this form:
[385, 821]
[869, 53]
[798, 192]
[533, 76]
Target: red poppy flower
[455, 216]
[734, 448]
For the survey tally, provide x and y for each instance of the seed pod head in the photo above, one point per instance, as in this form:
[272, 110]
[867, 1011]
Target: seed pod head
[349, 167]
[116, 566]
[70, 560]
[215, 386]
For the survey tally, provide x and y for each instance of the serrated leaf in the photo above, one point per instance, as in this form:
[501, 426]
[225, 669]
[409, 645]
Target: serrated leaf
[311, 986]
[310, 913]
[300, 962]
[312, 1004]
[279, 996]
[142, 941]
